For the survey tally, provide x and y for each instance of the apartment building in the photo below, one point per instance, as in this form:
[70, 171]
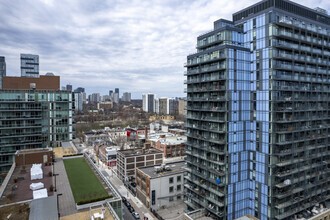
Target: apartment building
[129, 160]
[2, 69]
[148, 103]
[29, 65]
[160, 186]
[33, 119]
[257, 113]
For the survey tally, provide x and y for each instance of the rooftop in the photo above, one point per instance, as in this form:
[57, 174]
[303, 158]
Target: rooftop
[173, 168]
[18, 187]
[167, 138]
[139, 151]
[35, 150]
[45, 208]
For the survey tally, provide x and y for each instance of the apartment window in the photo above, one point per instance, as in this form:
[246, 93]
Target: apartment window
[178, 179]
[178, 187]
[171, 198]
[171, 180]
[178, 197]
[171, 189]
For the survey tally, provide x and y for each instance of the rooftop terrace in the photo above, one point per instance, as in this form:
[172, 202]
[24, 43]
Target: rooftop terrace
[173, 168]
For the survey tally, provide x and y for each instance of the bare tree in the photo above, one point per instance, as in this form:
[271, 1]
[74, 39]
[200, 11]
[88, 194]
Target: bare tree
[120, 141]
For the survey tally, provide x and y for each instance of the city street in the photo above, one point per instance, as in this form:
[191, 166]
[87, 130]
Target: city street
[136, 203]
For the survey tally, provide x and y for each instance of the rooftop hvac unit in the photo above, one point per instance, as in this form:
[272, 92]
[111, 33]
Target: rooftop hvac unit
[32, 86]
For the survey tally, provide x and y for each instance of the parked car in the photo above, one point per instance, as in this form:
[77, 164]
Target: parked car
[128, 204]
[136, 215]
[123, 199]
[131, 209]
[133, 184]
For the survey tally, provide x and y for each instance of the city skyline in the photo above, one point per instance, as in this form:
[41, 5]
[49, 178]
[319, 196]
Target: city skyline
[79, 41]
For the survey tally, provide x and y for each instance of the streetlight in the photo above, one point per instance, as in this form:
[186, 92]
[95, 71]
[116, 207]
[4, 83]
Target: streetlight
[58, 208]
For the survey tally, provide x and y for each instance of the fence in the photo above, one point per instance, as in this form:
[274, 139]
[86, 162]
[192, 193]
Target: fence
[113, 190]
[5, 182]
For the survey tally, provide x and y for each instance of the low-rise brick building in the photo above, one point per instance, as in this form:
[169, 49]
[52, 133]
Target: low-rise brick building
[172, 145]
[129, 160]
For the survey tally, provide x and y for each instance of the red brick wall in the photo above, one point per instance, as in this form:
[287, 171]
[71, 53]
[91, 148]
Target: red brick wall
[31, 158]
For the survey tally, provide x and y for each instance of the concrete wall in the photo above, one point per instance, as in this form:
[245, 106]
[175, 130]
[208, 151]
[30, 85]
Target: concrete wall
[161, 186]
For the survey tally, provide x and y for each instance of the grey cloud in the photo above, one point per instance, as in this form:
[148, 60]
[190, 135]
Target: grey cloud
[138, 46]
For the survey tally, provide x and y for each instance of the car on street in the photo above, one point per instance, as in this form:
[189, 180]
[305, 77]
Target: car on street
[128, 204]
[136, 215]
[131, 209]
[123, 199]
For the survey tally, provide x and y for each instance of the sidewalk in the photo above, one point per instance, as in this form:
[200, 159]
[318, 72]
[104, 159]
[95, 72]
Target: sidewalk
[135, 202]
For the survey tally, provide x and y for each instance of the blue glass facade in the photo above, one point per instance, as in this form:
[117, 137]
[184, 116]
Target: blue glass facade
[257, 114]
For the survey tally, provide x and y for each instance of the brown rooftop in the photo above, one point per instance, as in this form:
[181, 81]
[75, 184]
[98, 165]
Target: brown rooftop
[18, 188]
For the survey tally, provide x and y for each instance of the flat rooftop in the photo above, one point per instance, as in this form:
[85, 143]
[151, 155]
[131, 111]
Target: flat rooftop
[18, 187]
[175, 168]
[167, 138]
[139, 152]
[35, 150]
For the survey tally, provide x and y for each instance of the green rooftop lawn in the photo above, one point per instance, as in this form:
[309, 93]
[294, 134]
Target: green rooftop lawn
[84, 184]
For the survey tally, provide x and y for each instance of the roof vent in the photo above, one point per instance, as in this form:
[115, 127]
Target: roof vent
[32, 86]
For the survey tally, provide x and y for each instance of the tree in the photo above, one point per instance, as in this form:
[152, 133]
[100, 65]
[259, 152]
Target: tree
[120, 141]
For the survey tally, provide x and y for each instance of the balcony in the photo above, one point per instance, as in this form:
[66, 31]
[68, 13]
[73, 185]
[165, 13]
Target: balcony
[206, 89]
[206, 60]
[207, 98]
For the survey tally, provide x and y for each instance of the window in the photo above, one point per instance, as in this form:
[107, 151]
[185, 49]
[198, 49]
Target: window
[178, 187]
[171, 189]
[171, 198]
[178, 197]
[153, 197]
[178, 179]
[171, 180]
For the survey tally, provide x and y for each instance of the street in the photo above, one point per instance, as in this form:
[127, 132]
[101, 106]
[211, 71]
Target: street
[119, 186]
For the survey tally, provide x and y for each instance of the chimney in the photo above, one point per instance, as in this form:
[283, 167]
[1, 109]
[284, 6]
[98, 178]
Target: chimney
[146, 134]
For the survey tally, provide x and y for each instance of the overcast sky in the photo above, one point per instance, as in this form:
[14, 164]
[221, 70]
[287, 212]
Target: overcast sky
[135, 45]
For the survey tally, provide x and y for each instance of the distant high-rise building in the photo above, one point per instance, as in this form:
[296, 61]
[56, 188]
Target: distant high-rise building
[148, 102]
[126, 97]
[2, 69]
[78, 101]
[182, 107]
[79, 89]
[173, 105]
[69, 87]
[110, 93]
[156, 106]
[258, 114]
[29, 65]
[84, 99]
[168, 106]
[106, 98]
[115, 97]
[94, 98]
[163, 106]
[117, 91]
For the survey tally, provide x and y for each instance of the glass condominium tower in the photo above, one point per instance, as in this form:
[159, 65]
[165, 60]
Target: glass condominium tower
[258, 114]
